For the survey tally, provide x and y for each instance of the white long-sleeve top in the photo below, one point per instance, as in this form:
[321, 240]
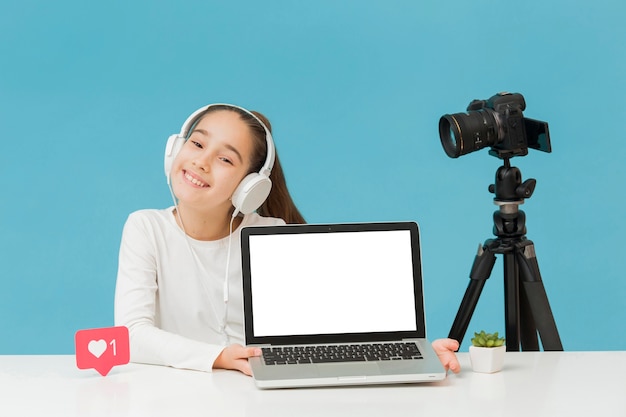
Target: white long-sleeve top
[170, 291]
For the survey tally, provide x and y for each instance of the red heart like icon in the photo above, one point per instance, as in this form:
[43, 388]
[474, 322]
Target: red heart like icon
[102, 349]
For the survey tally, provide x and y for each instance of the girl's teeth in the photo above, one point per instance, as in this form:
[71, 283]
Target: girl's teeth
[195, 181]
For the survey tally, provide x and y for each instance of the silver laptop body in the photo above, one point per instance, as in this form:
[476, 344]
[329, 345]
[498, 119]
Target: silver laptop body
[309, 290]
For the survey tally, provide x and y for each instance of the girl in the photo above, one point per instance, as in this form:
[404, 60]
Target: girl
[178, 285]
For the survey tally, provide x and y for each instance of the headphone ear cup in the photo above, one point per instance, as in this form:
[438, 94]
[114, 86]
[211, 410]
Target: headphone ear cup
[173, 146]
[251, 192]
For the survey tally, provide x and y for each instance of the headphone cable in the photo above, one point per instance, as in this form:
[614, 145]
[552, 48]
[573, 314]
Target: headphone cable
[222, 327]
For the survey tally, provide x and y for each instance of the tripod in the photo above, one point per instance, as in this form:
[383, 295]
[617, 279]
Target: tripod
[527, 310]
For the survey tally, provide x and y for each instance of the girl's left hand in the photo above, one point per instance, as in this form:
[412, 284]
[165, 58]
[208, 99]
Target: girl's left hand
[445, 348]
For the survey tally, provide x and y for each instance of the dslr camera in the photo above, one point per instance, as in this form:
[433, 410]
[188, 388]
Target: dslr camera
[497, 122]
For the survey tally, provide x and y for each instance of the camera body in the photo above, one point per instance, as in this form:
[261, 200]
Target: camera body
[497, 122]
[509, 123]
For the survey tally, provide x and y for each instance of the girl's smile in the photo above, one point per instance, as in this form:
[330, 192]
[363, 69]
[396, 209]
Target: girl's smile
[194, 180]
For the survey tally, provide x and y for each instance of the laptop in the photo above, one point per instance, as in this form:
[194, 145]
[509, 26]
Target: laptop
[336, 304]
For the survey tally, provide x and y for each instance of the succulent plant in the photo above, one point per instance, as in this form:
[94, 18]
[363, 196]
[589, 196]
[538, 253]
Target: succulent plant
[488, 340]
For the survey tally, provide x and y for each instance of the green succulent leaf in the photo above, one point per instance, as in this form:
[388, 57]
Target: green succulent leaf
[484, 339]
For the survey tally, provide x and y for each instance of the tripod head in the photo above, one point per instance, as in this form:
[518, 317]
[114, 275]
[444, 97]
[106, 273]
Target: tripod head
[510, 192]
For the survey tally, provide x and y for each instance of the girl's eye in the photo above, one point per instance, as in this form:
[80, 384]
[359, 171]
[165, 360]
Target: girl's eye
[228, 161]
[196, 144]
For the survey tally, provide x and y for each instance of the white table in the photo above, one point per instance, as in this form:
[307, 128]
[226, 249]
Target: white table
[531, 384]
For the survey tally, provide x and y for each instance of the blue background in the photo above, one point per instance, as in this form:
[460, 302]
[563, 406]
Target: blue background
[89, 93]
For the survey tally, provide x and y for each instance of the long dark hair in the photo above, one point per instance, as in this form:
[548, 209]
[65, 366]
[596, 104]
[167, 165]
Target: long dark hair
[279, 202]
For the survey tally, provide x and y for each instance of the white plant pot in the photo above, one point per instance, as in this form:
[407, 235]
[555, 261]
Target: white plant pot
[487, 360]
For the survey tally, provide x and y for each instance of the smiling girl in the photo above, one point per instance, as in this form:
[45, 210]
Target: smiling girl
[177, 291]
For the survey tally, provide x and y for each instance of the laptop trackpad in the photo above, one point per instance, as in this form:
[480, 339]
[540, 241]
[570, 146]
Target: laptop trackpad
[348, 369]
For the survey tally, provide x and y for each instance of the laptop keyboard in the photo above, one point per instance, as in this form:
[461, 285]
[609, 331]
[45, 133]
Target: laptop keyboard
[341, 353]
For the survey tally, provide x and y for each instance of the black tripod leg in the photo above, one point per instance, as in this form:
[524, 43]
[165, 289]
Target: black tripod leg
[511, 302]
[466, 310]
[481, 270]
[528, 328]
[535, 294]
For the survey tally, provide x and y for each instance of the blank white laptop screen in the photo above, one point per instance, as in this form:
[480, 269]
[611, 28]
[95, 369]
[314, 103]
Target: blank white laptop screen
[332, 283]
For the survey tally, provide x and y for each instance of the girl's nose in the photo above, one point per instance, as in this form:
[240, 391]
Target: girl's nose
[202, 163]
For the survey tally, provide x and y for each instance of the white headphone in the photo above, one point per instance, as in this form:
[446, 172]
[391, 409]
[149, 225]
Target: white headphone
[254, 188]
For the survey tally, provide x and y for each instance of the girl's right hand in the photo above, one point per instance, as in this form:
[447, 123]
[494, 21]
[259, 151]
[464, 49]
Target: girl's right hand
[235, 357]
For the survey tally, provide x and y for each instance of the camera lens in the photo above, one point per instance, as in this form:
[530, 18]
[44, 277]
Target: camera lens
[448, 136]
[462, 133]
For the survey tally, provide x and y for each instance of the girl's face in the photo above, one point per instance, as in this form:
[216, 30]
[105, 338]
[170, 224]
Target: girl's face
[213, 161]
